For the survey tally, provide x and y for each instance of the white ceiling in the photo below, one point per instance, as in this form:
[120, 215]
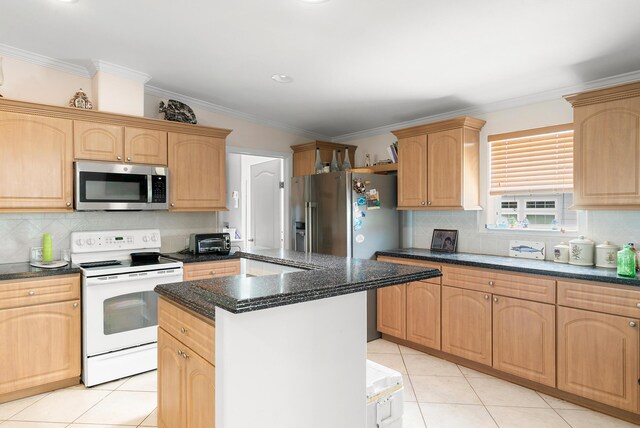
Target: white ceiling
[356, 64]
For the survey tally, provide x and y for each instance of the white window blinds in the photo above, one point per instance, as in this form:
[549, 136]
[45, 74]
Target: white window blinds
[532, 161]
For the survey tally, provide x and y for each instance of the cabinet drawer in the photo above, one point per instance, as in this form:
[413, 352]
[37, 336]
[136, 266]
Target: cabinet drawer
[27, 292]
[206, 270]
[410, 262]
[505, 284]
[188, 328]
[599, 298]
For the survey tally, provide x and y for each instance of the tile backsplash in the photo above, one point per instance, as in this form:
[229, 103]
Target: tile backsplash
[19, 232]
[618, 227]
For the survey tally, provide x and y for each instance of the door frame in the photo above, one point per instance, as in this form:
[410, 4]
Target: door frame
[287, 164]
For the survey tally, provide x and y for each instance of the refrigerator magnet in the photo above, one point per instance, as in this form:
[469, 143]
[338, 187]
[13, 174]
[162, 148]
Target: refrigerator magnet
[362, 201]
[359, 238]
[373, 200]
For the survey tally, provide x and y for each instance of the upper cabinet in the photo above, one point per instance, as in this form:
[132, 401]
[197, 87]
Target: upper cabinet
[36, 163]
[38, 144]
[105, 142]
[197, 168]
[438, 165]
[304, 155]
[607, 148]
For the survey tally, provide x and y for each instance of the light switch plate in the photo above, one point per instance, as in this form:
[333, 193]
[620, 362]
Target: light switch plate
[527, 249]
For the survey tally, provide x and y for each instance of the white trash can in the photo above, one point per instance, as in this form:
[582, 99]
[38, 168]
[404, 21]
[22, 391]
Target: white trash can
[385, 397]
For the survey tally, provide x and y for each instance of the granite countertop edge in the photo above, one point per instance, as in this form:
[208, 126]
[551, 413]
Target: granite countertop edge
[10, 271]
[546, 268]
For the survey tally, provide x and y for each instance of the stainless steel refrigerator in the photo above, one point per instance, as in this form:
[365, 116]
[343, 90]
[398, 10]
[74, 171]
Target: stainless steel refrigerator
[346, 214]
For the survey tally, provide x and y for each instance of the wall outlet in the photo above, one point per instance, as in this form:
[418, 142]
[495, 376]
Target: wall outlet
[36, 254]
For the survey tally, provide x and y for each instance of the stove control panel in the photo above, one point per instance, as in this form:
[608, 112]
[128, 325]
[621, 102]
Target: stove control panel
[113, 240]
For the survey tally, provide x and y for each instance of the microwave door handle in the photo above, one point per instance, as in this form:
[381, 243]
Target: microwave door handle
[149, 188]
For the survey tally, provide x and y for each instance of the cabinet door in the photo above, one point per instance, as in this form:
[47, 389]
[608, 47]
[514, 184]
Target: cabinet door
[524, 341]
[304, 163]
[97, 141]
[36, 162]
[392, 310]
[423, 313]
[200, 392]
[145, 146]
[598, 357]
[607, 153]
[41, 344]
[197, 173]
[444, 169]
[412, 174]
[171, 382]
[466, 324]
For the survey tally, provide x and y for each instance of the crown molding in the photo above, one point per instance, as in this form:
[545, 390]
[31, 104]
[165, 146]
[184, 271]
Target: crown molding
[163, 93]
[118, 70]
[539, 97]
[44, 61]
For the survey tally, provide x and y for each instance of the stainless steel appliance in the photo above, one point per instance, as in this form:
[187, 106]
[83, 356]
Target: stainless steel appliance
[210, 243]
[119, 306]
[116, 186]
[346, 214]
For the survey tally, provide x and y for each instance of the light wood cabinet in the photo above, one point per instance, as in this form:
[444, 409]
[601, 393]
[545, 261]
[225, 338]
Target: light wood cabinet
[186, 380]
[438, 165]
[423, 313]
[607, 148]
[41, 348]
[466, 324]
[36, 163]
[598, 357]
[145, 146]
[304, 155]
[198, 177]
[392, 310]
[97, 141]
[208, 270]
[524, 341]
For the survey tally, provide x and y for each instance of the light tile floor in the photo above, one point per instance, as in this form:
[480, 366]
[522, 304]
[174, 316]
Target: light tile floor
[438, 394]
[441, 394]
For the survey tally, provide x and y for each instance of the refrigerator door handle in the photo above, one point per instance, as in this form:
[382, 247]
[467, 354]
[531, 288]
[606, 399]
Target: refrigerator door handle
[309, 226]
[307, 218]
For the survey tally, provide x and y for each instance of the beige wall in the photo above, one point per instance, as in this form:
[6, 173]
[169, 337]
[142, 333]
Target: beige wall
[116, 94]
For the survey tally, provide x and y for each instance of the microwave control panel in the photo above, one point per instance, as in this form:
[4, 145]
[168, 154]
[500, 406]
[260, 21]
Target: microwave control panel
[158, 189]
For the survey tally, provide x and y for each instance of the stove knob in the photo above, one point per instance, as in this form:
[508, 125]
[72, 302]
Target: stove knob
[79, 242]
[154, 238]
[90, 241]
[145, 238]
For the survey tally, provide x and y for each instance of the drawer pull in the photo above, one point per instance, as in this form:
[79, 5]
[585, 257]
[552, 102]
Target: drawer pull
[119, 158]
[32, 293]
[632, 324]
[486, 297]
[75, 305]
[183, 354]
[213, 272]
[183, 330]
[491, 283]
[495, 299]
[638, 305]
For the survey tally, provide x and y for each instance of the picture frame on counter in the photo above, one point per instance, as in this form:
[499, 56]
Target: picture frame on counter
[444, 240]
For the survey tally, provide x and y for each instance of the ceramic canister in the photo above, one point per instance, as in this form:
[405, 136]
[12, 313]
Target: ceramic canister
[561, 253]
[581, 251]
[606, 255]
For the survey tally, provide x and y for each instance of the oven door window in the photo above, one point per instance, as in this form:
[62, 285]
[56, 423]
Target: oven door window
[130, 312]
[110, 187]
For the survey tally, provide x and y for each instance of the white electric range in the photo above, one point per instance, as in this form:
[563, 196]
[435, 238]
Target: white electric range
[119, 306]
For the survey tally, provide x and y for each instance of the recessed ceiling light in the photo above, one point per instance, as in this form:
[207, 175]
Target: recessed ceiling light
[315, 1]
[68, 1]
[282, 78]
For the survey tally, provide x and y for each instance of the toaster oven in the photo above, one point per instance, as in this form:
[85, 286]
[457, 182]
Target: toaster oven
[210, 243]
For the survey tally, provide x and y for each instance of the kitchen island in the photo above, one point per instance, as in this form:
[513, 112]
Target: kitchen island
[282, 350]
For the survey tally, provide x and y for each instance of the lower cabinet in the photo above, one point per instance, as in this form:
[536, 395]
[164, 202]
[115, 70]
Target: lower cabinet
[423, 313]
[186, 386]
[392, 310]
[598, 357]
[524, 340]
[466, 324]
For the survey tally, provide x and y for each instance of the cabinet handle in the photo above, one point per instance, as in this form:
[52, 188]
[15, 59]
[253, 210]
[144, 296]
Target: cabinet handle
[183, 355]
[491, 283]
[128, 159]
[638, 305]
[68, 204]
[632, 324]
[213, 272]
[32, 293]
[422, 203]
[429, 203]
[486, 297]
[173, 205]
[119, 158]
[495, 299]
[75, 305]
[183, 330]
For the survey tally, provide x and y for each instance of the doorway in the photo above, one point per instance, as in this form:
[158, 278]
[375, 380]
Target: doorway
[255, 191]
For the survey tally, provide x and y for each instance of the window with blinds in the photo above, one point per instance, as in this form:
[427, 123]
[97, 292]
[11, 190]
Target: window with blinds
[532, 161]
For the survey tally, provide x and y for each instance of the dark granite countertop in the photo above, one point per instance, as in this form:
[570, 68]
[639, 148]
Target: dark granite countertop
[324, 276]
[513, 264]
[192, 258]
[25, 270]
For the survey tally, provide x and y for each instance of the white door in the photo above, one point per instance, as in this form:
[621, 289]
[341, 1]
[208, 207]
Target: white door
[266, 205]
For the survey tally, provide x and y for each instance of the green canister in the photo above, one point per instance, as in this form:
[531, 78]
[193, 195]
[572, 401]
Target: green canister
[627, 262]
[47, 248]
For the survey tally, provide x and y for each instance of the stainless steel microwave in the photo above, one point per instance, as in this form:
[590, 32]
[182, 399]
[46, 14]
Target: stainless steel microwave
[104, 186]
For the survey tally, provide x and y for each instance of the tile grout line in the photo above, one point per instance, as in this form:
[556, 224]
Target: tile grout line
[20, 411]
[555, 410]
[480, 398]
[424, 421]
